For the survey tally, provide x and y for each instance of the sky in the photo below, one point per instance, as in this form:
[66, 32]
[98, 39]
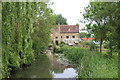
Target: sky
[70, 9]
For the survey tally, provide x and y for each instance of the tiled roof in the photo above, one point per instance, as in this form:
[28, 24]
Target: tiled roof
[69, 29]
[87, 38]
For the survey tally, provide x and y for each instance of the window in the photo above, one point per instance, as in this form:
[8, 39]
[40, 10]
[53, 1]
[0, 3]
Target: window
[56, 37]
[73, 36]
[67, 36]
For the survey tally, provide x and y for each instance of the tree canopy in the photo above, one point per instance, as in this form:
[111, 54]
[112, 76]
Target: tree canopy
[102, 19]
[25, 33]
[60, 20]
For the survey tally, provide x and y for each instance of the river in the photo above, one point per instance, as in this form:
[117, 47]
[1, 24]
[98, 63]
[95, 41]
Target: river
[45, 66]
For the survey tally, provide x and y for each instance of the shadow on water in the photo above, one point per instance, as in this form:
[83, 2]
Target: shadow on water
[39, 69]
[43, 67]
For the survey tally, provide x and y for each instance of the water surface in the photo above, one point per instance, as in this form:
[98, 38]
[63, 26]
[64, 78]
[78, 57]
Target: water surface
[44, 67]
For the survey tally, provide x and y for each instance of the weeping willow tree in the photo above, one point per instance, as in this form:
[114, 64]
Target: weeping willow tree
[18, 40]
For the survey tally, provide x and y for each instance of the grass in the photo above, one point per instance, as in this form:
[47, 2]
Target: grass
[90, 63]
[98, 67]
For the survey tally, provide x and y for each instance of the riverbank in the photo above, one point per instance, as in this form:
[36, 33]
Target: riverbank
[90, 64]
[45, 66]
[59, 62]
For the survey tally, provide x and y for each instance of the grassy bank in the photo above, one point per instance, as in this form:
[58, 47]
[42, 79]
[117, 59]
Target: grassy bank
[90, 64]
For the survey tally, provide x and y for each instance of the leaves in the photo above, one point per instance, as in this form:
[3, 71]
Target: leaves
[21, 30]
[41, 34]
[60, 20]
[102, 18]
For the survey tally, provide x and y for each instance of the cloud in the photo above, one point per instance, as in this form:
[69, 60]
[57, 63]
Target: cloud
[70, 9]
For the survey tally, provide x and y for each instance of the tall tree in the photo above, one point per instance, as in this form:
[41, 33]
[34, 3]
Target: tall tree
[17, 20]
[60, 20]
[41, 34]
[90, 16]
[25, 25]
[98, 15]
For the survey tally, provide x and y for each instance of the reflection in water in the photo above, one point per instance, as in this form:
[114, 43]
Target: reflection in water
[44, 67]
[39, 69]
[67, 73]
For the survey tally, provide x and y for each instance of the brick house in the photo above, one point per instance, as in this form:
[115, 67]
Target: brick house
[66, 33]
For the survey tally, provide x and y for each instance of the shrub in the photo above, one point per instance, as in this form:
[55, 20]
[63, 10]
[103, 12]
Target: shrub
[106, 45]
[96, 66]
[62, 44]
[90, 63]
[76, 54]
[92, 46]
[60, 49]
[73, 54]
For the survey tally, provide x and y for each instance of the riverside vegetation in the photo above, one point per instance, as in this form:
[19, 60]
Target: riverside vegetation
[90, 64]
[25, 33]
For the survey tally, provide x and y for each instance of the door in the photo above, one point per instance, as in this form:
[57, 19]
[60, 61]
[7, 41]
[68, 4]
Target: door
[56, 42]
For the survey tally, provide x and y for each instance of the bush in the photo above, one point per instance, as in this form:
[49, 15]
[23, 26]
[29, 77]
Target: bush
[90, 63]
[62, 44]
[60, 49]
[73, 54]
[92, 46]
[96, 66]
[106, 45]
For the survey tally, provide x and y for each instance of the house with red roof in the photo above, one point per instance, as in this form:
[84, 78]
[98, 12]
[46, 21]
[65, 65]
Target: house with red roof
[65, 33]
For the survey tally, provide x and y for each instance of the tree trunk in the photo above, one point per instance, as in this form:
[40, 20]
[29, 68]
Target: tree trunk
[118, 57]
[110, 49]
[101, 41]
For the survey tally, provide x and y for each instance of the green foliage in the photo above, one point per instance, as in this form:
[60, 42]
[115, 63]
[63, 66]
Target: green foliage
[57, 49]
[0, 40]
[16, 29]
[77, 24]
[60, 20]
[102, 19]
[23, 33]
[60, 49]
[41, 34]
[85, 43]
[97, 66]
[106, 45]
[97, 21]
[92, 46]
[83, 35]
[62, 44]
[90, 64]
[73, 54]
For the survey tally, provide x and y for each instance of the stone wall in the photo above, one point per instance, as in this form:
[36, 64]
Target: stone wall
[59, 37]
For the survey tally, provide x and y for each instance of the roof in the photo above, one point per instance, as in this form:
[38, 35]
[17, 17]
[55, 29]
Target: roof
[69, 29]
[87, 38]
